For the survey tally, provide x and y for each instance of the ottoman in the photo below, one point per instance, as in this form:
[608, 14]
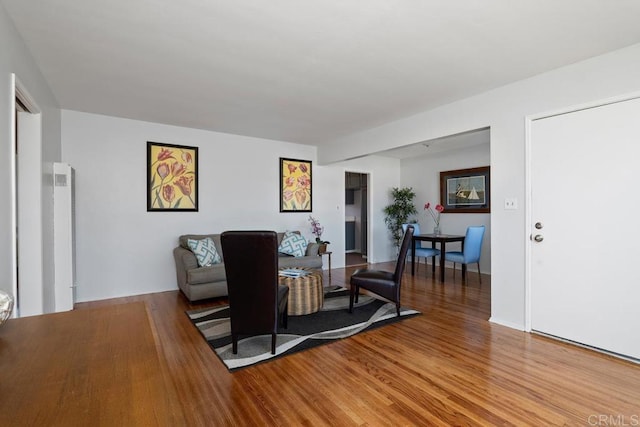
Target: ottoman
[306, 294]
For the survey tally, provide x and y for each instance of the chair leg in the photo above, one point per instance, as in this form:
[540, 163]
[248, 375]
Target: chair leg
[273, 343]
[234, 343]
[398, 308]
[433, 266]
[479, 276]
[352, 294]
[285, 316]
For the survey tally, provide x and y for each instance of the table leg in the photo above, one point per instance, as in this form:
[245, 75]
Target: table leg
[443, 248]
[329, 267]
[413, 257]
[433, 262]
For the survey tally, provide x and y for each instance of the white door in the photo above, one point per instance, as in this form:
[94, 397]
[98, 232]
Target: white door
[585, 195]
[29, 216]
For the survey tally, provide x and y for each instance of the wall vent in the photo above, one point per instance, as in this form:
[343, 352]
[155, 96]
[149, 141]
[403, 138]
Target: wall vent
[60, 180]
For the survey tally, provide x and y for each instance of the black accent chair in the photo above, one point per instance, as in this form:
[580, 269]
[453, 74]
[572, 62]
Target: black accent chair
[384, 283]
[256, 301]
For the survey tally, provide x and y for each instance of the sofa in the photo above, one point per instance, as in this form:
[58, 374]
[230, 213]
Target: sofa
[198, 283]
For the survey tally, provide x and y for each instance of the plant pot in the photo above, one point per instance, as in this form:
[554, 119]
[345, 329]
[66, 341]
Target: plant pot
[323, 248]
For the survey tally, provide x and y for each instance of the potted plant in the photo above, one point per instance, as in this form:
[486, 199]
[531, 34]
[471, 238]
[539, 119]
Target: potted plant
[399, 211]
[317, 230]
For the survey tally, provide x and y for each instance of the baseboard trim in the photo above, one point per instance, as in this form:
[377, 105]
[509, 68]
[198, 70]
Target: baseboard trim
[506, 323]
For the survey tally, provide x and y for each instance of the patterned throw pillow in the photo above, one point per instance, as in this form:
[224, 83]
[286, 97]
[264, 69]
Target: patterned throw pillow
[205, 251]
[293, 244]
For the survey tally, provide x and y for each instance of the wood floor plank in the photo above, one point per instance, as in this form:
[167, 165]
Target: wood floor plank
[86, 367]
[448, 366]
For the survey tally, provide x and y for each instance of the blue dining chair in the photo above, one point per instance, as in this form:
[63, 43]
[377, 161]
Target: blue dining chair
[470, 253]
[420, 250]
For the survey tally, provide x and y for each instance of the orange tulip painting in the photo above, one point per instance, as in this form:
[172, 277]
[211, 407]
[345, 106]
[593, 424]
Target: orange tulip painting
[295, 185]
[172, 177]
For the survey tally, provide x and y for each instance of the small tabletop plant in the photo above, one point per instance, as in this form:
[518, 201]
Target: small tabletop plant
[317, 230]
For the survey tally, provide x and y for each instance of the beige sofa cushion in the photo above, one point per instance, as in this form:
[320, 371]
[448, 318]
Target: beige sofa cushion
[213, 273]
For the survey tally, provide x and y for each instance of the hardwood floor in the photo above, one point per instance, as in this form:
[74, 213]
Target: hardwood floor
[85, 367]
[448, 366]
[354, 258]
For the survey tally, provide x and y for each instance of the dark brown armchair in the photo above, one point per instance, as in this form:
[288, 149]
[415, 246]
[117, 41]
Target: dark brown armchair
[384, 283]
[256, 301]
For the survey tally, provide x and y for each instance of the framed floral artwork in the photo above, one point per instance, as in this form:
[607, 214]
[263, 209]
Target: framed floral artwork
[295, 185]
[466, 190]
[172, 177]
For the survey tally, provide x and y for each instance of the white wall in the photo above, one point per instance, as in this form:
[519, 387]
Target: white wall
[423, 175]
[124, 250]
[15, 58]
[504, 111]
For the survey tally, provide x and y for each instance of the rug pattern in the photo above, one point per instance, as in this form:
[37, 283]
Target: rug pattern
[331, 323]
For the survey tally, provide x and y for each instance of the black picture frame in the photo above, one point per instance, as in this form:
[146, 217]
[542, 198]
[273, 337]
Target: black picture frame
[466, 190]
[172, 178]
[296, 185]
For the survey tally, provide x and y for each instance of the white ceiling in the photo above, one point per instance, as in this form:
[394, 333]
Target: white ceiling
[303, 71]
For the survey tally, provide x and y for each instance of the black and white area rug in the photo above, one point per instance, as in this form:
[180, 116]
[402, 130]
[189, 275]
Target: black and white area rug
[333, 322]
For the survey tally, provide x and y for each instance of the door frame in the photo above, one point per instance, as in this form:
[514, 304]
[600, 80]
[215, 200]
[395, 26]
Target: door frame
[368, 208]
[529, 120]
[19, 91]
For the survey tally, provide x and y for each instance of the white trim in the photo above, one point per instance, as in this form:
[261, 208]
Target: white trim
[506, 323]
[528, 184]
[588, 347]
[14, 198]
[527, 218]
[584, 106]
[24, 96]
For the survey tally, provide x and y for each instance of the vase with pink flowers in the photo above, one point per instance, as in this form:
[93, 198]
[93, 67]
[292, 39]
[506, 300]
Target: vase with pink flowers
[435, 214]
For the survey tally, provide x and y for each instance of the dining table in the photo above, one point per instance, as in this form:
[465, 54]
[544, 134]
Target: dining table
[442, 239]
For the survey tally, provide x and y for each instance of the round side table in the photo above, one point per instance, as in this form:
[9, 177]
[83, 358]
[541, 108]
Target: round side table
[306, 294]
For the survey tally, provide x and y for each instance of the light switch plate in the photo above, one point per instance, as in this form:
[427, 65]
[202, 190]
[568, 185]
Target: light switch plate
[510, 203]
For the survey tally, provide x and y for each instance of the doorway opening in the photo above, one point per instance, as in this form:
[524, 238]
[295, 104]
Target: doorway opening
[356, 223]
